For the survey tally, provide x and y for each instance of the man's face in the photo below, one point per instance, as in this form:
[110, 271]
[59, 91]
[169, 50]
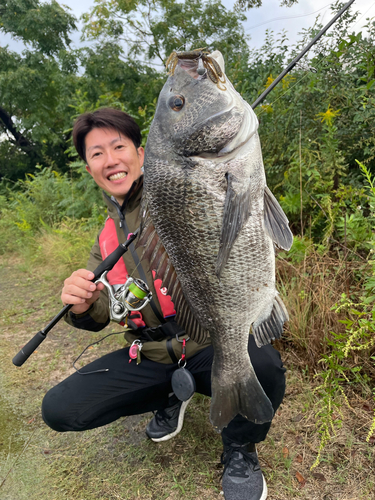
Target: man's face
[113, 161]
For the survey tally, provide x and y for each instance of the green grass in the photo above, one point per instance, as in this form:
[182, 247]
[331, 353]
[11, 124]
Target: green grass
[117, 461]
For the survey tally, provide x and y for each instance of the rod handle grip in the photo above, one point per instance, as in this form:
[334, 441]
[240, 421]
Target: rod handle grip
[111, 260]
[28, 349]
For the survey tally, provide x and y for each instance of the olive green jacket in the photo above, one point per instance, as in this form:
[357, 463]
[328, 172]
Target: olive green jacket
[97, 317]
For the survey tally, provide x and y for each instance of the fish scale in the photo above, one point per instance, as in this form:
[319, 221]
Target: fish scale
[205, 193]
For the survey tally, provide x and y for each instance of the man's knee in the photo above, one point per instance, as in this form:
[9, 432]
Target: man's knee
[53, 412]
[269, 370]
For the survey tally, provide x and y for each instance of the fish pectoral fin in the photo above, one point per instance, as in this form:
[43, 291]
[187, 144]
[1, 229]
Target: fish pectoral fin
[269, 326]
[276, 222]
[236, 212]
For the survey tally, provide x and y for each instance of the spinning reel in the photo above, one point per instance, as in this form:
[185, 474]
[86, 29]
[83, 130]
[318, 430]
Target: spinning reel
[134, 295]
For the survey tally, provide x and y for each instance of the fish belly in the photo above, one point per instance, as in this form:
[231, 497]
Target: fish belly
[189, 225]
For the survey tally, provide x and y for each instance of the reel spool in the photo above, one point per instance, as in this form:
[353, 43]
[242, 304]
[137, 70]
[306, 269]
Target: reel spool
[134, 295]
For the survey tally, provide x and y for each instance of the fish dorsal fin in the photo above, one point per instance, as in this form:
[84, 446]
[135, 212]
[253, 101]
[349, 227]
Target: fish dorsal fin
[270, 327]
[236, 212]
[160, 262]
[276, 222]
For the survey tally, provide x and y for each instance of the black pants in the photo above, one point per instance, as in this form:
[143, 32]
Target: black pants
[83, 402]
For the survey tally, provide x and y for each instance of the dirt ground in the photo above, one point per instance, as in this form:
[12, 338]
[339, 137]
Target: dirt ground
[117, 461]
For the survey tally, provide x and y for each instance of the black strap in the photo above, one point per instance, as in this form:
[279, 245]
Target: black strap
[142, 274]
[172, 329]
[168, 330]
[137, 262]
[171, 351]
[151, 334]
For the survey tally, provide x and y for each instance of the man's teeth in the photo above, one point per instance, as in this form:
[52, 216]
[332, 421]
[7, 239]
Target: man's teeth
[115, 177]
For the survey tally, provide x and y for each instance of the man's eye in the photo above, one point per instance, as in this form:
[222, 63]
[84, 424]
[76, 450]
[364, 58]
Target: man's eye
[120, 146]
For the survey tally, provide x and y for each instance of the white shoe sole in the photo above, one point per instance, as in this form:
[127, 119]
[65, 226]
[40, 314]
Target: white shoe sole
[180, 423]
[265, 490]
[264, 494]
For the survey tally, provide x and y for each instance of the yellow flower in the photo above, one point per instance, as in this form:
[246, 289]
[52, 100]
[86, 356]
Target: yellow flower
[270, 79]
[329, 115]
[267, 108]
[287, 80]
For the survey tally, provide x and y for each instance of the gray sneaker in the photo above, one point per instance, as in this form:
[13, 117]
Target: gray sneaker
[242, 477]
[167, 423]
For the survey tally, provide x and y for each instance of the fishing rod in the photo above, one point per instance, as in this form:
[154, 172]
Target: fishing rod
[134, 295]
[295, 61]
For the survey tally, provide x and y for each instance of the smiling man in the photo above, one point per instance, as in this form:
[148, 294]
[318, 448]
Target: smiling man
[110, 143]
[113, 160]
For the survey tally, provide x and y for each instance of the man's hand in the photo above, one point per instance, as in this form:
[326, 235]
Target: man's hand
[80, 291]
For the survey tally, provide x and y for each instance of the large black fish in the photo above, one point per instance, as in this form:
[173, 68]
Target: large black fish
[207, 204]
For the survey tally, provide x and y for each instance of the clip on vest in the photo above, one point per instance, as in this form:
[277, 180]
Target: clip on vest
[183, 382]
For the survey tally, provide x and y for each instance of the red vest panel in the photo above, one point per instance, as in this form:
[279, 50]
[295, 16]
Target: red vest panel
[108, 242]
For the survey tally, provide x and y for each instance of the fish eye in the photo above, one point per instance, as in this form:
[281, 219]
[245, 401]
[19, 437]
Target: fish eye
[176, 102]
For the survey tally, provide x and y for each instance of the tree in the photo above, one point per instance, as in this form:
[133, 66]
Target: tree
[153, 29]
[108, 72]
[34, 85]
[42, 89]
[44, 26]
[316, 122]
[249, 4]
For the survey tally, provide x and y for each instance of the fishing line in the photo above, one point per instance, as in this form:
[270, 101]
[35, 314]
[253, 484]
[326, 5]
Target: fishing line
[371, 6]
[265, 22]
[316, 67]
[91, 345]
[264, 110]
[291, 17]
[17, 458]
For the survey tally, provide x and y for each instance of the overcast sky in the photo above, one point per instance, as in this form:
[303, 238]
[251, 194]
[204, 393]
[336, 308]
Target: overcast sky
[294, 19]
[270, 16]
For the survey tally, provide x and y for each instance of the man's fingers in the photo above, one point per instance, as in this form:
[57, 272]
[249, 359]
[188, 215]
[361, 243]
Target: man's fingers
[83, 273]
[78, 288]
[71, 299]
[81, 278]
[94, 297]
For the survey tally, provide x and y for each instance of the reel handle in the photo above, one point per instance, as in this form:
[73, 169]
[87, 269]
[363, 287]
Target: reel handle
[106, 265]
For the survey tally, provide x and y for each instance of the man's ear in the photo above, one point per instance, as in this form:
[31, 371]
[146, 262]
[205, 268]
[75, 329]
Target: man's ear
[88, 170]
[141, 155]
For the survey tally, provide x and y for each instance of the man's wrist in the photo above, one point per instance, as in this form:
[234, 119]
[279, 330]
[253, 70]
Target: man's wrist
[82, 314]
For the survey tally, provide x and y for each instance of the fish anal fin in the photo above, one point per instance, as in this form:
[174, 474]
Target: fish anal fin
[269, 325]
[276, 222]
[236, 212]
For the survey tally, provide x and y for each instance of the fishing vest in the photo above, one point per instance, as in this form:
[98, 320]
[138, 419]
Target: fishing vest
[108, 242]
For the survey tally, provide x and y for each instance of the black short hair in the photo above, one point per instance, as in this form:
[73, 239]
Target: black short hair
[104, 118]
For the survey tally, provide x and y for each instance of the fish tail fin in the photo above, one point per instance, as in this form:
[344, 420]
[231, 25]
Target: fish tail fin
[244, 396]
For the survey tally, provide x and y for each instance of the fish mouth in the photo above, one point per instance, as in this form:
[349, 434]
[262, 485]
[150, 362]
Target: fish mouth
[191, 68]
